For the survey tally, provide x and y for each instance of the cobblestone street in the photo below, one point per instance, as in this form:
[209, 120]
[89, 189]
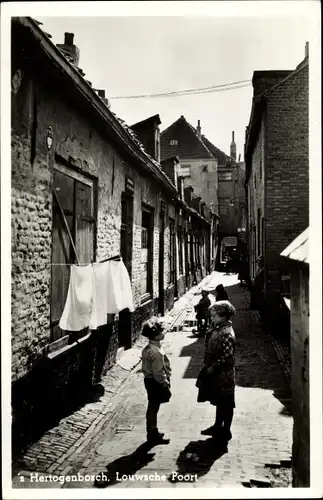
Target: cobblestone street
[110, 430]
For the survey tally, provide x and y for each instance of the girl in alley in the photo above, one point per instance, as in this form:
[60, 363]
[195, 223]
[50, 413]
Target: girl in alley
[156, 369]
[216, 380]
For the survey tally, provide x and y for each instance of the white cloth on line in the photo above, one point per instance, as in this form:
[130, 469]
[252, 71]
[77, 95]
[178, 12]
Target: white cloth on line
[78, 305]
[94, 292]
[119, 289]
[100, 295]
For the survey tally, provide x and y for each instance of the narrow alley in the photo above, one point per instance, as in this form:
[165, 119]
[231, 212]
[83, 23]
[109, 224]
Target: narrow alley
[109, 434]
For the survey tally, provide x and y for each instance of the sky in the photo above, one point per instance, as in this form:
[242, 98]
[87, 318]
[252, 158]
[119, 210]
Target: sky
[143, 55]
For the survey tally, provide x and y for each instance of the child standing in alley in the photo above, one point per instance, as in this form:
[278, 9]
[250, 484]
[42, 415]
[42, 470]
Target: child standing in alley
[202, 313]
[216, 381]
[157, 371]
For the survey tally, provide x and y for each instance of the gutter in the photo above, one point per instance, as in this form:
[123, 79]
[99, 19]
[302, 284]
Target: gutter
[90, 95]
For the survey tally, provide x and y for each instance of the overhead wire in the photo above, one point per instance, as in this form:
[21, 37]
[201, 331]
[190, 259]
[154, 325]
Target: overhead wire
[203, 90]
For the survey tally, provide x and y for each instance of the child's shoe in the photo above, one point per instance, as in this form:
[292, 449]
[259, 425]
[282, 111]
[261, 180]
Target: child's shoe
[154, 438]
[227, 435]
[210, 431]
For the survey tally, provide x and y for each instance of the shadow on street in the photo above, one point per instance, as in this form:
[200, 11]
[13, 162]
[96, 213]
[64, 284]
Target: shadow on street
[197, 459]
[128, 465]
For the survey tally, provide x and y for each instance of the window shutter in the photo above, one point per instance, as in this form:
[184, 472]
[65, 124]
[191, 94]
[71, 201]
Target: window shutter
[62, 252]
[84, 222]
[76, 201]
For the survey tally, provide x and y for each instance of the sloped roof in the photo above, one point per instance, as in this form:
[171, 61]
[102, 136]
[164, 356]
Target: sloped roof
[189, 146]
[222, 158]
[155, 118]
[72, 71]
[298, 248]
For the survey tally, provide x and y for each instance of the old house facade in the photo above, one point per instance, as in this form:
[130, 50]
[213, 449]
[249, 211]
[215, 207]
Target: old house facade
[231, 200]
[197, 169]
[84, 188]
[297, 262]
[277, 172]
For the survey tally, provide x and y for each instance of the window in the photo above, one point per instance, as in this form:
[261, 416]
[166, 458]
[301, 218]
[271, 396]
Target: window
[72, 228]
[260, 169]
[255, 181]
[189, 252]
[204, 168]
[126, 230]
[173, 142]
[180, 250]
[258, 233]
[203, 251]
[157, 144]
[185, 171]
[225, 176]
[262, 236]
[146, 254]
[180, 187]
[224, 206]
[172, 268]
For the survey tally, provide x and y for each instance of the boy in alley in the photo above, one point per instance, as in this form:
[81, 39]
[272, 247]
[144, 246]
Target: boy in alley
[202, 313]
[156, 369]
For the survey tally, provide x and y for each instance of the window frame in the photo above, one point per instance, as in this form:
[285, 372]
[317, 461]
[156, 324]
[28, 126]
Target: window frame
[225, 176]
[172, 252]
[56, 334]
[180, 251]
[148, 213]
[185, 170]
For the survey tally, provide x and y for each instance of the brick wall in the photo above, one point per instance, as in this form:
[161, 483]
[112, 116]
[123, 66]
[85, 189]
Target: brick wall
[287, 169]
[73, 137]
[300, 374]
[78, 144]
[256, 201]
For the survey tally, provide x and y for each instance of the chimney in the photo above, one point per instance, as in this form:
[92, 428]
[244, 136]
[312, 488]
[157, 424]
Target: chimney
[264, 80]
[198, 128]
[307, 49]
[69, 48]
[239, 157]
[233, 148]
[101, 93]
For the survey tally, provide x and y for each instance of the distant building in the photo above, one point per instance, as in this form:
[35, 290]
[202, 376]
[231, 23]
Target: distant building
[214, 176]
[198, 167]
[277, 174]
[231, 200]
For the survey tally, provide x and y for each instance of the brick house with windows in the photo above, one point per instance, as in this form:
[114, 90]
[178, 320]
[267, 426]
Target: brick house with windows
[277, 173]
[84, 188]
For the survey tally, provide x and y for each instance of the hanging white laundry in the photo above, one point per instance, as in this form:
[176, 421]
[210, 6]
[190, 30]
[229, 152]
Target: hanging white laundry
[78, 305]
[101, 283]
[119, 289]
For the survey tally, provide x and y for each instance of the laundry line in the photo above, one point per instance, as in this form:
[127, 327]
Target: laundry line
[115, 258]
